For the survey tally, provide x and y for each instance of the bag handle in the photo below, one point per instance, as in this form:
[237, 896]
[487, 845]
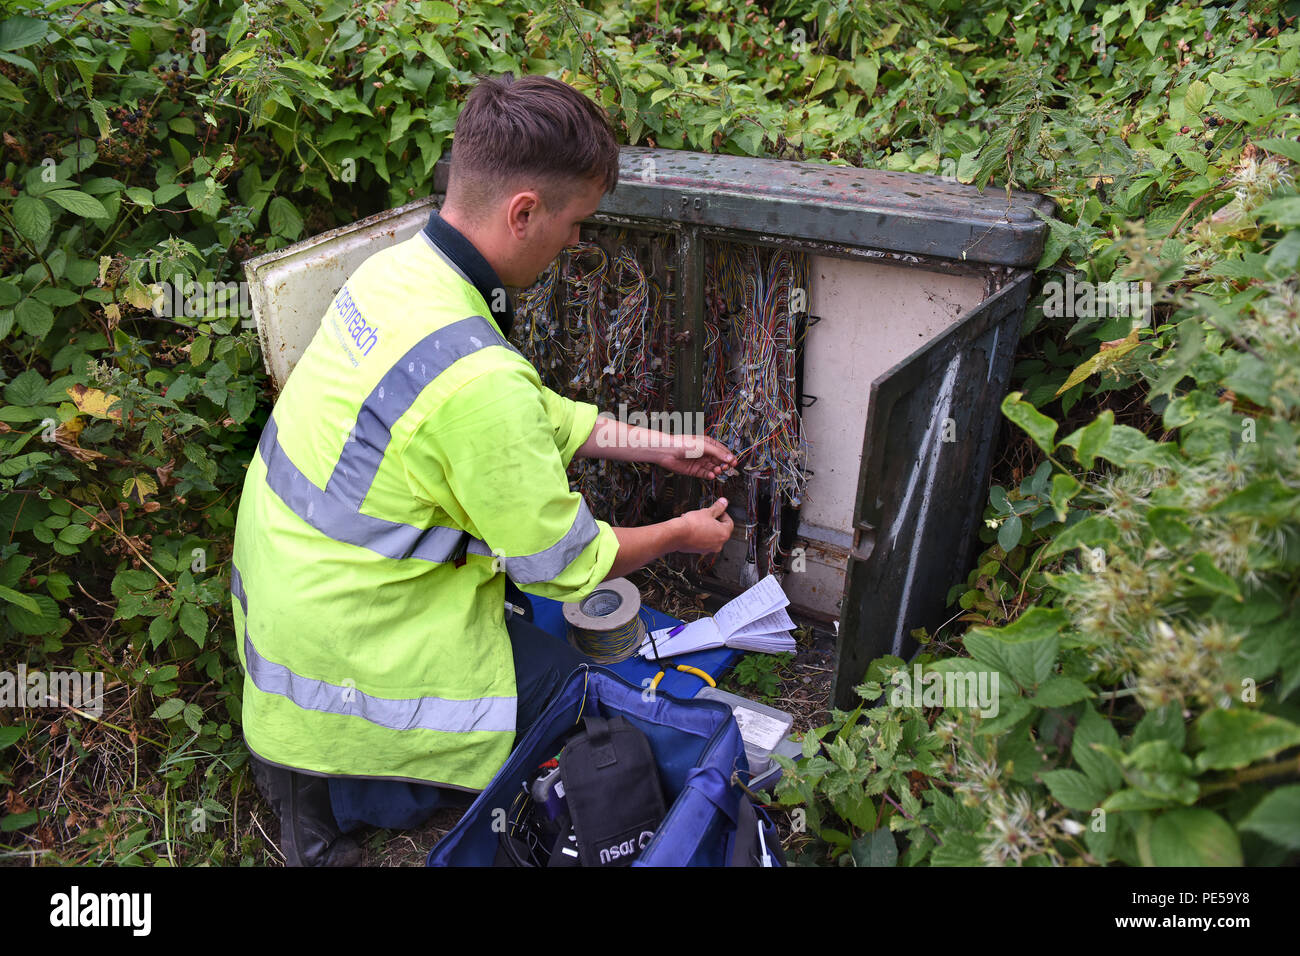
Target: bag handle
[601, 741]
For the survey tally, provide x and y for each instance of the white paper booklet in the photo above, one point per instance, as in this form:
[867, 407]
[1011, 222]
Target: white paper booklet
[753, 621]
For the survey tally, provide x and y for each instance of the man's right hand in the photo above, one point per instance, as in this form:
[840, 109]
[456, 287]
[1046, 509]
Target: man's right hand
[705, 531]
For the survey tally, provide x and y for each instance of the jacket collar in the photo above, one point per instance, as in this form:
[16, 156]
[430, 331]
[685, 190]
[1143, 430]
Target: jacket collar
[460, 253]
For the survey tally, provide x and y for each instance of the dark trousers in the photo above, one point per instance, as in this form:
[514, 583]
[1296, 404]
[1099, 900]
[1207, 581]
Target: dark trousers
[541, 664]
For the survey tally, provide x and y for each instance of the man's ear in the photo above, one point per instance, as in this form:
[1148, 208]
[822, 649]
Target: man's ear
[522, 211]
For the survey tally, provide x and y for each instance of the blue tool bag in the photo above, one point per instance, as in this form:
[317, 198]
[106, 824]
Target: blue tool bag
[696, 746]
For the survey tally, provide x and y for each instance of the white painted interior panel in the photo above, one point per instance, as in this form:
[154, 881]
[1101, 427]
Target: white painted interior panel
[874, 315]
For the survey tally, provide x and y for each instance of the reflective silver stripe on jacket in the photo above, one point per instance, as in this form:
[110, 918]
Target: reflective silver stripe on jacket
[490, 714]
[335, 511]
[546, 565]
[337, 519]
[393, 397]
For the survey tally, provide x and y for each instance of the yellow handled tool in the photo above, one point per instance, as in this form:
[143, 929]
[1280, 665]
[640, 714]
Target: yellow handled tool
[685, 669]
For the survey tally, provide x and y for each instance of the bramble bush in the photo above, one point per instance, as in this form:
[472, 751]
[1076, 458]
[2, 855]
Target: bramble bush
[167, 141]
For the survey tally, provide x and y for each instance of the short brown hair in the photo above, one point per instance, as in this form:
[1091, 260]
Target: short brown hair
[533, 127]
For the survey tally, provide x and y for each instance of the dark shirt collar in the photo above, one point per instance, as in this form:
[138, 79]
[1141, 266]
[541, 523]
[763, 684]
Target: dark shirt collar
[462, 254]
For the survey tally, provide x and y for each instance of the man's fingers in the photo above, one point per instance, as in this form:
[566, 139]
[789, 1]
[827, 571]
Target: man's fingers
[718, 508]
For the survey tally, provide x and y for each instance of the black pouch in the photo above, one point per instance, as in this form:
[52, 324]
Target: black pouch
[612, 788]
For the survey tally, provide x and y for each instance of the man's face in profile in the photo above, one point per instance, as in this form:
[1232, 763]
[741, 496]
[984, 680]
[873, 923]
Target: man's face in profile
[552, 231]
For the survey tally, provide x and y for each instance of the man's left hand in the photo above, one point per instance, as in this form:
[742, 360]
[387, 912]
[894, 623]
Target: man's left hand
[697, 456]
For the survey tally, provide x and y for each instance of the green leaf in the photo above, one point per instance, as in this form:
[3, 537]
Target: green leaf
[32, 217]
[141, 197]
[1239, 738]
[1026, 649]
[1009, 533]
[163, 674]
[1064, 488]
[1089, 440]
[193, 715]
[1165, 525]
[25, 601]
[194, 622]
[1281, 212]
[27, 388]
[1202, 572]
[1092, 532]
[160, 628]
[1277, 817]
[34, 317]
[169, 708]
[1094, 729]
[1060, 692]
[1038, 426]
[876, 848]
[132, 582]
[1165, 723]
[1283, 147]
[1126, 445]
[1194, 837]
[78, 203]
[284, 218]
[1136, 800]
[18, 32]
[11, 735]
[1074, 790]
[47, 621]
[75, 534]
[16, 821]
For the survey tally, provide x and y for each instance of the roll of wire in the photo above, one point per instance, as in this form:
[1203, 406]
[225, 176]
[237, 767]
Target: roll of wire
[606, 625]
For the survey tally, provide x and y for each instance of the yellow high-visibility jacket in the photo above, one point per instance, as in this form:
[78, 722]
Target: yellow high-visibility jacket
[412, 460]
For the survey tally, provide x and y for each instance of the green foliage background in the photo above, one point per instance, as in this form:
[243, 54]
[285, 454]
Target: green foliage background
[166, 140]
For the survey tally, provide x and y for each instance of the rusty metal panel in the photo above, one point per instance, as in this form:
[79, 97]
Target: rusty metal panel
[866, 208]
[886, 211]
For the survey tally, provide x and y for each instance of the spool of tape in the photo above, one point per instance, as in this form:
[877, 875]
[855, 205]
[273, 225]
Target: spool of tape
[606, 625]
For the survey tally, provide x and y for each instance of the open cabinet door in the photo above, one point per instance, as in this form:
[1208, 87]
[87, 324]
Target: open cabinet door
[926, 456]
